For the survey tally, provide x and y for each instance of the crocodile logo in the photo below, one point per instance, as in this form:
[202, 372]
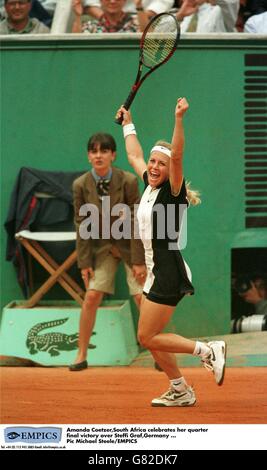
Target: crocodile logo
[51, 343]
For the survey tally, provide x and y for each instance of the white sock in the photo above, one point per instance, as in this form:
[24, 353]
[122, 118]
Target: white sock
[178, 384]
[201, 349]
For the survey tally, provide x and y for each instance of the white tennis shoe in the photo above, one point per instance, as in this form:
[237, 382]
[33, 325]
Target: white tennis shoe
[215, 361]
[174, 398]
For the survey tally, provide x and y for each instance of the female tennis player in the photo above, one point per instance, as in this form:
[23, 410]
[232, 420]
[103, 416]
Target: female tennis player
[169, 279]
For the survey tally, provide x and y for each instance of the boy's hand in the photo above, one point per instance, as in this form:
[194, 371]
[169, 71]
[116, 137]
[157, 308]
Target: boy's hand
[87, 274]
[139, 272]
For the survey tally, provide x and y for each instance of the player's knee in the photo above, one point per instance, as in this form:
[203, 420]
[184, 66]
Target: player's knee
[144, 338]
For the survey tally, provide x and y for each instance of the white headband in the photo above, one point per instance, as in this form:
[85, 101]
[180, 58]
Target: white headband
[160, 148]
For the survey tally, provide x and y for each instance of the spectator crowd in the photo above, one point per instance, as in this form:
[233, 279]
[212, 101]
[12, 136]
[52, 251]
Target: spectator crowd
[109, 16]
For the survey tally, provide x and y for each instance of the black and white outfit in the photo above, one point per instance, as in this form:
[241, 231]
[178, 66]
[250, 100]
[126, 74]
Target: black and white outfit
[168, 276]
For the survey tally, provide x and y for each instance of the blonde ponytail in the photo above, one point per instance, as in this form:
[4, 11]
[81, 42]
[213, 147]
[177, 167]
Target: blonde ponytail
[192, 194]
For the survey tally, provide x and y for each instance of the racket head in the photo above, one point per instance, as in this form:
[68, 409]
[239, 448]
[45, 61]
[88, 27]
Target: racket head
[159, 40]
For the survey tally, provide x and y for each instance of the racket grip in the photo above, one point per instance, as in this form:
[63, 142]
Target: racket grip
[119, 120]
[127, 105]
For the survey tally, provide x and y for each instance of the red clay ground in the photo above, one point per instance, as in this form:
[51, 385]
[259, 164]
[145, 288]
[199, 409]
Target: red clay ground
[32, 395]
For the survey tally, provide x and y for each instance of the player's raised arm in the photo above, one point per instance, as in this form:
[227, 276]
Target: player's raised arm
[133, 148]
[177, 149]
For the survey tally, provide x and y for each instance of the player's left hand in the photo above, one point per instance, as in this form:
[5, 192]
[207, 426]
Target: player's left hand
[181, 107]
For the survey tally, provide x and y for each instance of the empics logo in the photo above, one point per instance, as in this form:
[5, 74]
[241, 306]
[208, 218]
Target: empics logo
[12, 435]
[32, 435]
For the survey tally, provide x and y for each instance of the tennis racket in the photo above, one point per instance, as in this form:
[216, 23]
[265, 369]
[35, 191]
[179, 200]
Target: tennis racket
[158, 42]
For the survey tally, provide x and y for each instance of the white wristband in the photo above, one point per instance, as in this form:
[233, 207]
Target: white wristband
[128, 129]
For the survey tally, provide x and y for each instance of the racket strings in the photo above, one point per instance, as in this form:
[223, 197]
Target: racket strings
[155, 51]
[160, 40]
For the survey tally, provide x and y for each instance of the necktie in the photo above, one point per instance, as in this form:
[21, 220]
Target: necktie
[192, 27]
[102, 187]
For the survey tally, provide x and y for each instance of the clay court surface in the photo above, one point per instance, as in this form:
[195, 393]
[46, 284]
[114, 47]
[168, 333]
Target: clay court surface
[122, 395]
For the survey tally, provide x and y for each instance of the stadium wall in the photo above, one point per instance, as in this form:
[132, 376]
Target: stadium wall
[56, 91]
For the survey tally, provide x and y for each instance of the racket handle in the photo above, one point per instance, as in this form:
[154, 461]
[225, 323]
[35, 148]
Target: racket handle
[119, 120]
[127, 105]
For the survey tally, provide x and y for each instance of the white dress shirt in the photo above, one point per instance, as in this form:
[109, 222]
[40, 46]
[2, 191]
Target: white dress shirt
[219, 18]
[256, 24]
[49, 5]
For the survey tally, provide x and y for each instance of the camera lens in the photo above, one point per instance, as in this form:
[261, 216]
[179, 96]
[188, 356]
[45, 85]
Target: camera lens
[251, 323]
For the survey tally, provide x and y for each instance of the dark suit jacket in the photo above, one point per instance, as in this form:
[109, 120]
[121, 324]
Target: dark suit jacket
[123, 189]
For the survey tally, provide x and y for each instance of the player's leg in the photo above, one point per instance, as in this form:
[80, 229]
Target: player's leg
[154, 317]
